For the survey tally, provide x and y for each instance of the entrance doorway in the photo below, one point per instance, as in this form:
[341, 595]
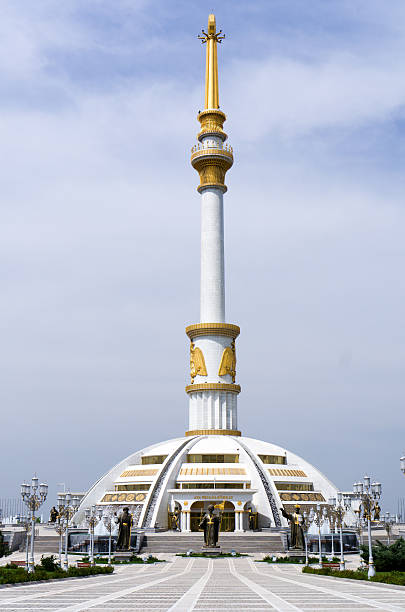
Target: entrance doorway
[199, 508]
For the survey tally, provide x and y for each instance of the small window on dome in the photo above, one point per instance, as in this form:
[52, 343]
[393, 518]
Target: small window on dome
[273, 459]
[153, 459]
[227, 458]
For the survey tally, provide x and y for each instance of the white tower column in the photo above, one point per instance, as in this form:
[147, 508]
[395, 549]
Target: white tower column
[212, 257]
[212, 392]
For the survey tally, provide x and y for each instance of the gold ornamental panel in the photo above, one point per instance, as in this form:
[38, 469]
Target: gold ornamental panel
[212, 329]
[124, 497]
[197, 362]
[285, 472]
[140, 472]
[229, 388]
[213, 432]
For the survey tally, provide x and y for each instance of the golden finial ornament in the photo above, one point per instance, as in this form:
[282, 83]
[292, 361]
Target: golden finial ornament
[214, 160]
[211, 67]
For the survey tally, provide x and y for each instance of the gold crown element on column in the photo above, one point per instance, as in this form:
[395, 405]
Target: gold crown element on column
[212, 163]
[212, 329]
[227, 387]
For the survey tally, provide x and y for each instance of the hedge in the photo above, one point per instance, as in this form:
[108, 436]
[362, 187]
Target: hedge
[13, 575]
[385, 577]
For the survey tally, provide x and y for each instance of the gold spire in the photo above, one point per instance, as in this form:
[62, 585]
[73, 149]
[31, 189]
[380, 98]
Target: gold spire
[211, 67]
[212, 160]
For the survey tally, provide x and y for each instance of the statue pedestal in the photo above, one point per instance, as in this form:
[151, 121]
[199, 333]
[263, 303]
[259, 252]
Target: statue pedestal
[211, 551]
[297, 552]
[123, 555]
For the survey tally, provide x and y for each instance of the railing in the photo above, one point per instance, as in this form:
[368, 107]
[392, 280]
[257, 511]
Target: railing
[199, 148]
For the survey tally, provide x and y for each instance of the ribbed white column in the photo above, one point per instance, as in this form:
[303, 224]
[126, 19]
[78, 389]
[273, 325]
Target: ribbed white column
[212, 307]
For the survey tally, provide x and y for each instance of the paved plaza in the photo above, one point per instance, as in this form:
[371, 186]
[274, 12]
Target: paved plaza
[183, 584]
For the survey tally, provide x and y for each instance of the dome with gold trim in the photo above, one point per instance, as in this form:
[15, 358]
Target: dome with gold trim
[186, 474]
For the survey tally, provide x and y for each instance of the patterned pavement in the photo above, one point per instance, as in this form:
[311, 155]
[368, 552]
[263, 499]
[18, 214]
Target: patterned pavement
[203, 585]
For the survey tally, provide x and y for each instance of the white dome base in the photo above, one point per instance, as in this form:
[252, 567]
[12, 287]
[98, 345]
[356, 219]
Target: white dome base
[243, 474]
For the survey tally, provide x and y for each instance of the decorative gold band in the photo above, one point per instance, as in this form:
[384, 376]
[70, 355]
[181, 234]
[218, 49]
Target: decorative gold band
[213, 432]
[212, 165]
[228, 387]
[212, 329]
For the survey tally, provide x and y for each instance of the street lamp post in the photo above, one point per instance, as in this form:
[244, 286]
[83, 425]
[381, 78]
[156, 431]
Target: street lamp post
[109, 522]
[34, 496]
[340, 511]
[91, 520]
[305, 524]
[368, 493]
[27, 529]
[68, 505]
[387, 523]
[317, 519]
[60, 528]
[332, 523]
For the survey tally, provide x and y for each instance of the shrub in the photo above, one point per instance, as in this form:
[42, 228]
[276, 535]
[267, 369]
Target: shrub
[387, 558]
[385, 577]
[12, 576]
[269, 559]
[49, 564]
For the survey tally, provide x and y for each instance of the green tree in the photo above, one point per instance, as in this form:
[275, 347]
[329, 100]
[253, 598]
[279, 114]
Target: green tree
[387, 558]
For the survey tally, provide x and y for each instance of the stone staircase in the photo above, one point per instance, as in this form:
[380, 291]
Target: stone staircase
[45, 544]
[170, 542]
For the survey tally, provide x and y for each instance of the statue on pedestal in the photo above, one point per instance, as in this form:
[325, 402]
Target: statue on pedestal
[176, 520]
[296, 532]
[53, 515]
[210, 524]
[124, 529]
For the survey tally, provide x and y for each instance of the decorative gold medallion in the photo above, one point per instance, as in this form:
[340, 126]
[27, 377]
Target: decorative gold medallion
[140, 496]
[122, 497]
[197, 362]
[228, 362]
[130, 497]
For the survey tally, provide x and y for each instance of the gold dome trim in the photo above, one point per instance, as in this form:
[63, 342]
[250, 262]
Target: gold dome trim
[213, 432]
[229, 388]
[212, 329]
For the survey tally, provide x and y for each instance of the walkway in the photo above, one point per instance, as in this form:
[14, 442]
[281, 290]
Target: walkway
[185, 585]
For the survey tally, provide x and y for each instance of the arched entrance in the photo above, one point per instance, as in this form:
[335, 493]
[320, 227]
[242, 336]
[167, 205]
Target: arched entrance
[199, 508]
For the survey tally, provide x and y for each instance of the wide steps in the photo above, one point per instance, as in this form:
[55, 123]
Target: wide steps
[163, 543]
[46, 544]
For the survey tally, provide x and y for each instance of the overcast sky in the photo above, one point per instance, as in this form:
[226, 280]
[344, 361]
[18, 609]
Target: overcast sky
[99, 240]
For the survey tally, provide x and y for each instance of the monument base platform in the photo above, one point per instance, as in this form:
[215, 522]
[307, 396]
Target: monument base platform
[211, 551]
[295, 553]
[123, 555]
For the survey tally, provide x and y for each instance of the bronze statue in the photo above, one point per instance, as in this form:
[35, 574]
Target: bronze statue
[210, 524]
[124, 530]
[251, 519]
[296, 532]
[377, 511]
[175, 520]
[53, 515]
